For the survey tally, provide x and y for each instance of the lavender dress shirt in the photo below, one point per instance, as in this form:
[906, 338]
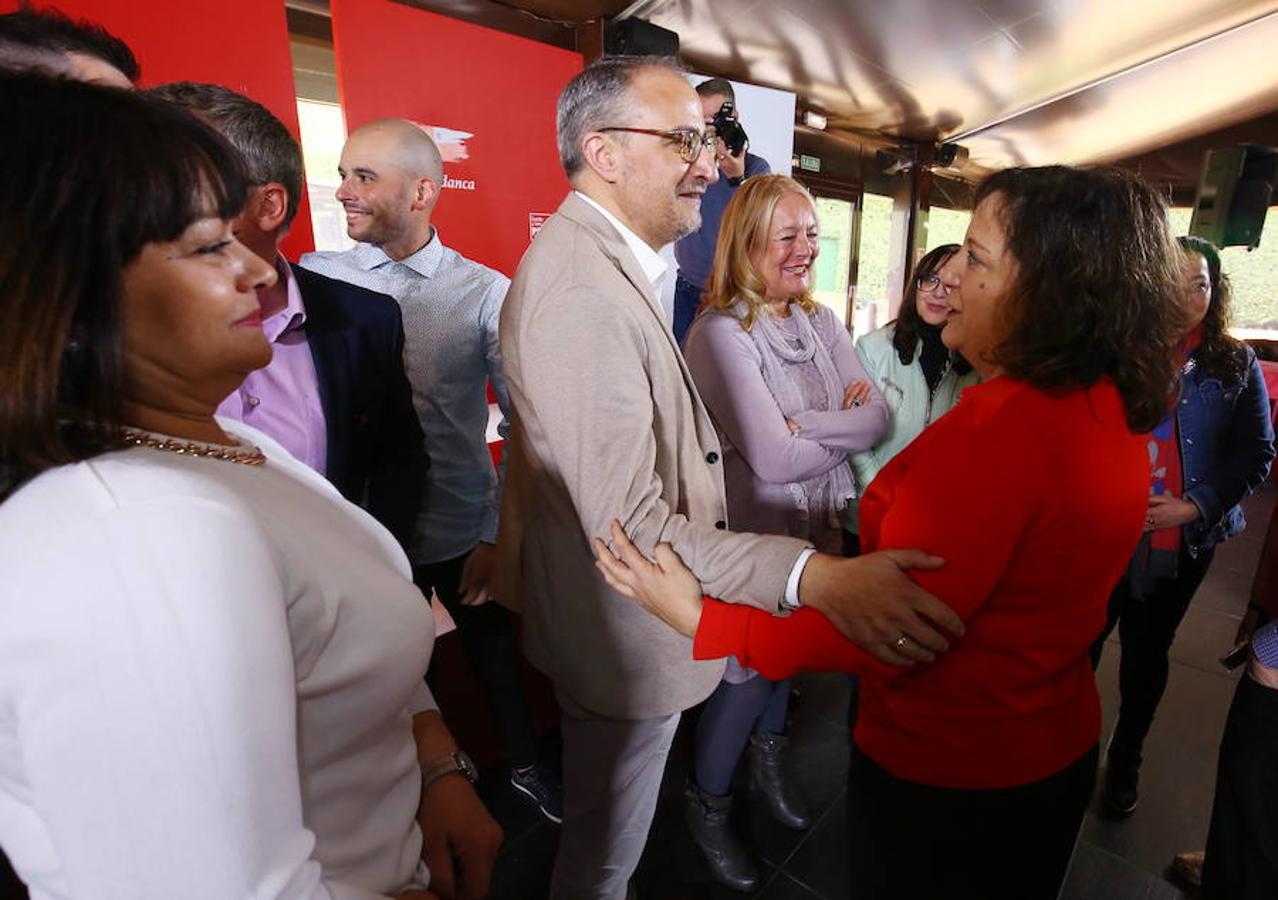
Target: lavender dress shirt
[283, 399]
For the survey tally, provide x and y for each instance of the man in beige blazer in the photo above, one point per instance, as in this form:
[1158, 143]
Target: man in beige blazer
[607, 424]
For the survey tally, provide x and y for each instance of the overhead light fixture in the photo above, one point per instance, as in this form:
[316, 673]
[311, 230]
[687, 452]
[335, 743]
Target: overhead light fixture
[814, 119]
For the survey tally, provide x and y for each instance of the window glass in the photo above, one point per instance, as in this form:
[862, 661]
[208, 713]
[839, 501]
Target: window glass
[1253, 276]
[871, 308]
[323, 134]
[834, 218]
[946, 226]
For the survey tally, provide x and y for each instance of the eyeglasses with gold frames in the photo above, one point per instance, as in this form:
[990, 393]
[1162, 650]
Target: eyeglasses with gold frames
[689, 142]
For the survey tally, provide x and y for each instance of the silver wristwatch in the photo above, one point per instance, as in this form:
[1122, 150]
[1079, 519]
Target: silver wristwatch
[456, 762]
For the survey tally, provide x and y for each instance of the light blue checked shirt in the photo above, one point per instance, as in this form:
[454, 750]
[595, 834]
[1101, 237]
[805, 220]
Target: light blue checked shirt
[450, 305]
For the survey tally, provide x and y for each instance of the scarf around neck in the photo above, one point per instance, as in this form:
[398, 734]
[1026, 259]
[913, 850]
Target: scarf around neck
[934, 356]
[776, 347]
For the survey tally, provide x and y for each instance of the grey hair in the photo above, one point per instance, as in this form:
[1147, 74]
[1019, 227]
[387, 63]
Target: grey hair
[597, 98]
[269, 151]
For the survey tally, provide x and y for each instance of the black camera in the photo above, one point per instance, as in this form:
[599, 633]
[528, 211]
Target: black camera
[729, 130]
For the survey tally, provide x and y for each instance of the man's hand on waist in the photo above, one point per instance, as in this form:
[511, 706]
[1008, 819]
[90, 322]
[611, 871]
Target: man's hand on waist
[872, 603]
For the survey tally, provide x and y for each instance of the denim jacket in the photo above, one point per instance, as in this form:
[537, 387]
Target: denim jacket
[1226, 444]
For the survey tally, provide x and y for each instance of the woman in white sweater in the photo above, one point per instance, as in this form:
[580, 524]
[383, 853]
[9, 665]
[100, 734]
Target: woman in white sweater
[213, 663]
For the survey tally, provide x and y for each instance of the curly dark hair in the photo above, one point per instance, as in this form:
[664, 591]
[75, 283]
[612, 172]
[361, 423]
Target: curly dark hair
[1219, 355]
[105, 172]
[1097, 288]
[909, 324]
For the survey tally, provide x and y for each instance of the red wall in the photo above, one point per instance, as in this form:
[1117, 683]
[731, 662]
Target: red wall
[242, 44]
[394, 60]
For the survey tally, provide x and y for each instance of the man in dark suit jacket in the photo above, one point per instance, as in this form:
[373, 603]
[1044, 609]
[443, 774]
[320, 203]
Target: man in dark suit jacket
[375, 451]
[335, 393]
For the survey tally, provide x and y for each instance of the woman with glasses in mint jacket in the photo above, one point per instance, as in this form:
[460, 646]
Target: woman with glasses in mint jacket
[919, 377]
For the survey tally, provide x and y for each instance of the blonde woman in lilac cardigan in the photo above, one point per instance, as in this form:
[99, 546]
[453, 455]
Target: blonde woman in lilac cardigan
[791, 400]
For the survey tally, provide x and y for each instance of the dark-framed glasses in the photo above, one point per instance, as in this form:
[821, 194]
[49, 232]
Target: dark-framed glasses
[689, 142]
[930, 283]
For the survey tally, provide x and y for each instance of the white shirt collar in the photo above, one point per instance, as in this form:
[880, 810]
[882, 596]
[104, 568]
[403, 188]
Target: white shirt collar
[654, 267]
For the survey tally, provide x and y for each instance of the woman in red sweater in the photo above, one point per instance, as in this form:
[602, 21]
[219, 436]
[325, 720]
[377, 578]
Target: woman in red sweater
[969, 776]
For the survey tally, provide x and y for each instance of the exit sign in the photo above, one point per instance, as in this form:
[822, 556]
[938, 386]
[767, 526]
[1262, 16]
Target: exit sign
[810, 163]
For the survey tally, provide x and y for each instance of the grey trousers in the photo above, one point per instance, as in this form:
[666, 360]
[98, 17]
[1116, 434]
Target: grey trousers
[612, 775]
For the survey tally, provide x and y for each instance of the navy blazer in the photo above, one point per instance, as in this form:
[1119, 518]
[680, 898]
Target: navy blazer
[376, 451]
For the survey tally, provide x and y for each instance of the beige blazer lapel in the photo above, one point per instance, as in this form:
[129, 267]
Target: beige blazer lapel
[614, 246]
[617, 250]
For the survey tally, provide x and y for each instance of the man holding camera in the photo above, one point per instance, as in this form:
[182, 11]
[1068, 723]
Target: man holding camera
[695, 253]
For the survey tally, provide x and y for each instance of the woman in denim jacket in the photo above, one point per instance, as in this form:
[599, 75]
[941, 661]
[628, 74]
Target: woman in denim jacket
[1205, 458]
[920, 378]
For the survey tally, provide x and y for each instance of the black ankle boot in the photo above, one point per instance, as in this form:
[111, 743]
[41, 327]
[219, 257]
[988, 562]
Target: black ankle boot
[708, 820]
[767, 771]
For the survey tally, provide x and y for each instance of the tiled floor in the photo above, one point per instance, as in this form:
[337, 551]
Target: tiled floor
[1115, 860]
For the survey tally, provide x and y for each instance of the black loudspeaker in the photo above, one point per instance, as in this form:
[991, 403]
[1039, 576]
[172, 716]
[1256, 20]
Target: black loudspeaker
[635, 37]
[1234, 193]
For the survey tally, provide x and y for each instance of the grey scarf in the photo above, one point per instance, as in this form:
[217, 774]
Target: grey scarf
[825, 494]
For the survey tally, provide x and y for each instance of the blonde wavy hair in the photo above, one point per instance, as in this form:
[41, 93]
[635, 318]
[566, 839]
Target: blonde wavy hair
[742, 232]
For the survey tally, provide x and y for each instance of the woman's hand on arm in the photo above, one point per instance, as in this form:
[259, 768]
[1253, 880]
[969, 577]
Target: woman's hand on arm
[664, 587]
[777, 647]
[869, 599]
[460, 838]
[856, 393]
[857, 424]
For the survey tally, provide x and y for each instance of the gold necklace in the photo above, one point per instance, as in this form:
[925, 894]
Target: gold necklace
[245, 454]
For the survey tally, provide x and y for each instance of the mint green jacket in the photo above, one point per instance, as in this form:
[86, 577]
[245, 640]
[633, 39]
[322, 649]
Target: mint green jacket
[910, 407]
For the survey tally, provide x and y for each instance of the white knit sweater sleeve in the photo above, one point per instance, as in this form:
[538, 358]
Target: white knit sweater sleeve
[149, 677]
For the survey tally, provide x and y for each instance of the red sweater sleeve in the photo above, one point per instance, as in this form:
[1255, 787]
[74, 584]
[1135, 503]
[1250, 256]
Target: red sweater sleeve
[973, 510]
[776, 647]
